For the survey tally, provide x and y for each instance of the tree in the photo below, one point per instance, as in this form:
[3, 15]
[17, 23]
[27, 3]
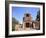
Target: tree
[14, 21]
[38, 16]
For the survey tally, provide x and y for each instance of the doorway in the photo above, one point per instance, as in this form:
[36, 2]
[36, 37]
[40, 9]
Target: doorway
[27, 25]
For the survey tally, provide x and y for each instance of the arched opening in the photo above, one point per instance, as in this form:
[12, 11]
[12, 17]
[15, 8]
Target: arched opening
[27, 25]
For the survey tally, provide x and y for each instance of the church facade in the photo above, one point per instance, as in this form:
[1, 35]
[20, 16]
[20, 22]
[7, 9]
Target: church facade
[27, 21]
[29, 24]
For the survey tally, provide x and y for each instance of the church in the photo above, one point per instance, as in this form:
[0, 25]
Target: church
[28, 24]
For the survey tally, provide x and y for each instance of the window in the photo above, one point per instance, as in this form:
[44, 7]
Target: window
[27, 15]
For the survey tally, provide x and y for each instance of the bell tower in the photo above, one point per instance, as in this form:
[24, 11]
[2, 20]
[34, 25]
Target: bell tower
[27, 21]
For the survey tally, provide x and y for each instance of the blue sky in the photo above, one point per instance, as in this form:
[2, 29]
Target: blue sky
[18, 12]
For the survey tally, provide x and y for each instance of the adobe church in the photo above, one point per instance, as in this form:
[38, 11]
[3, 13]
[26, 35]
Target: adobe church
[28, 24]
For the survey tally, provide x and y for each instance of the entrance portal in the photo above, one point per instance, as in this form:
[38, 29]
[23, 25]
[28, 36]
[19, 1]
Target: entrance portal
[27, 25]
